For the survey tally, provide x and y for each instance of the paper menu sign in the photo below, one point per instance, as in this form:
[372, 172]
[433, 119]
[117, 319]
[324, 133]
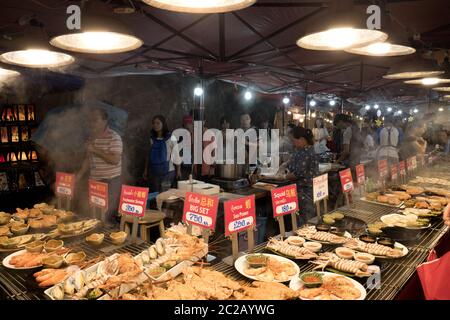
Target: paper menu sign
[360, 174]
[284, 200]
[98, 194]
[320, 187]
[65, 184]
[346, 180]
[200, 210]
[383, 168]
[133, 200]
[239, 214]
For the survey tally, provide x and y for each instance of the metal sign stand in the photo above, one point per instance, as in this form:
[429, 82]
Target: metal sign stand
[134, 227]
[280, 220]
[235, 246]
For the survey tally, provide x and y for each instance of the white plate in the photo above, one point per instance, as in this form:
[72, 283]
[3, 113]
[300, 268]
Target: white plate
[241, 263]
[10, 266]
[296, 284]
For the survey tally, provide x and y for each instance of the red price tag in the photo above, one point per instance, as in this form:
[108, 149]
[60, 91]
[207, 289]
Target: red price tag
[200, 210]
[402, 168]
[360, 174]
[98, 194]
[394, 172]
[65, 184]
[239, 214]
[284, 200]
[383, 168]
[346, 180]
[133, 200]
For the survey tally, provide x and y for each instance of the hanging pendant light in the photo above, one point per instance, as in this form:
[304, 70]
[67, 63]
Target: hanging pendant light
[413, 67]
[396, 45]
[442, 89]
[200, 6]
[98, 34]
[6, 73]
[343, 31]
[33, 51]
[428, 81]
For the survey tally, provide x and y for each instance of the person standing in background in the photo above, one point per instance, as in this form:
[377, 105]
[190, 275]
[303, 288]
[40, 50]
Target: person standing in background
[389, 139]
[320, 136]
[160, 169]
[104, 159]
[414, 143]
[443, 140]
[351, 144]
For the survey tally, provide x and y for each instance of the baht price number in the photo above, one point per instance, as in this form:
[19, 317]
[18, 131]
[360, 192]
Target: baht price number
[240, 224]
[132, 208]
[288, 207]
[199, 219]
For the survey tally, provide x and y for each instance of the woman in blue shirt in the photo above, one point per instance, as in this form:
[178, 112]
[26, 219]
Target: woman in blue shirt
[303, 167]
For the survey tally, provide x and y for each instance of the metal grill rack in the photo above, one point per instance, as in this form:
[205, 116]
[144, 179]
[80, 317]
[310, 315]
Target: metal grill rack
[21, 285]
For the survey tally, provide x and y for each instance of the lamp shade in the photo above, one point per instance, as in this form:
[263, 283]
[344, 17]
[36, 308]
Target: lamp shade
[396, 45]
[6, 73]
[413, 67]
[200, 6]
[442, 89]
[33, 51]
[428, 81]
[100, 35]
[343, 29]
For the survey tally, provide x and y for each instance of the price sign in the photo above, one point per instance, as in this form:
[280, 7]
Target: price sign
[133, 200]
[346, 180]
[98, 194]
[360, 174]
[394, 172]
[284, 200]
[320, 187]
[239, 214]
[383, 168]
[409, 164]
[402, 168]
[65, 184]
[200, 210]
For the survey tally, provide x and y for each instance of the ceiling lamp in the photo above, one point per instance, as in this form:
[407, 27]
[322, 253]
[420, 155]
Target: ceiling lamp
[413, 67]
[343, 30]
[33, 51]
[441, 109]
[200, 6]
[286, 100]
[398, 45]
[442, 89]
[100, 35]
[332, 103]
[447, 97]
[428, 81]
[5, 73]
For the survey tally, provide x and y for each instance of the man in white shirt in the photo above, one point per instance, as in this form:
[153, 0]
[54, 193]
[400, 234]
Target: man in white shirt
[389, 137]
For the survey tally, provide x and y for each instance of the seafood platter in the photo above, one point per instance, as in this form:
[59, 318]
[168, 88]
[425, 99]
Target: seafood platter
[19, 242]
[291, 248]
[37, 254]
[378, 247]
[266, 267]
[199, 283]
[314, 233]
[120, 273]
[327, 286]
[66, 230]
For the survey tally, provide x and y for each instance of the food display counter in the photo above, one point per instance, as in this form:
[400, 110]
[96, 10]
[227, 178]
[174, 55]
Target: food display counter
[397, 274]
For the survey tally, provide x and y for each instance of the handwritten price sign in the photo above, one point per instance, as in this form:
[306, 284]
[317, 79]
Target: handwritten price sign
[133, 200]
[239, 214]
[383, 168]
[320, 187]
[284, 200]
[98, 194]
[200, 210]
[65, 184]
[402, 168]
[346, 180]
[360, 174]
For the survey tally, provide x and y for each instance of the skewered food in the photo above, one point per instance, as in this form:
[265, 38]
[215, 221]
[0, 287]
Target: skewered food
[311, 233]
[329, 259]
[374, 248]
[287, 249]
[421, 180]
